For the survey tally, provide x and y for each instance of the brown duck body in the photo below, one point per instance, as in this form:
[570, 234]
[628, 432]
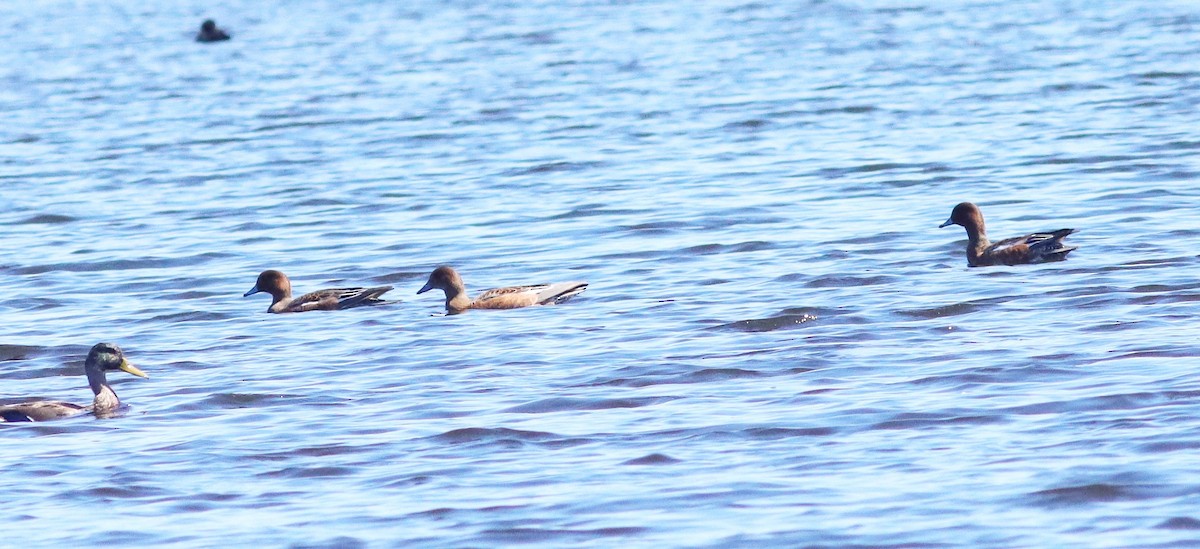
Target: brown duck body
[104, 357]
[332, 299]
[43, 410]
[511, 297]
[1031, 248]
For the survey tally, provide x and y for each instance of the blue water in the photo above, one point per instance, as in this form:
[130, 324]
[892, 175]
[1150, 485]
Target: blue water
[778, 347]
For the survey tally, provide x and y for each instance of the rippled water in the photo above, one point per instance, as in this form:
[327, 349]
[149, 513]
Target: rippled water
[778, 346]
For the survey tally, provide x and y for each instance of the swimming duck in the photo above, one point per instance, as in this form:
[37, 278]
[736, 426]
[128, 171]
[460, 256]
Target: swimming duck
[280, 288]
[446, 279]
[210, 33]
[1032, 248]
[104, 357]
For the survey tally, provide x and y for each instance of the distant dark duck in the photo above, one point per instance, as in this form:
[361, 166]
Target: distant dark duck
[210, 33]
[104, 357]
[277, 284]
[1033, 248]
[513, 297]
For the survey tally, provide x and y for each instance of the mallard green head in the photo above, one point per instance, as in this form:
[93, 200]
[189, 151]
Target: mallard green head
[107, 357]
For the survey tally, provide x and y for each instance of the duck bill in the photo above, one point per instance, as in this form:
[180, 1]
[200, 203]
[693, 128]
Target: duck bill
[948, 223]
[428, 286]
[252, 291]
[130, 368]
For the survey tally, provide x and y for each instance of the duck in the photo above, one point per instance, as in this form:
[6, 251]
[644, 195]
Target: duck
[1031, 248]
[210, 33]
[104, 357]
[277, 284]
[446, 279]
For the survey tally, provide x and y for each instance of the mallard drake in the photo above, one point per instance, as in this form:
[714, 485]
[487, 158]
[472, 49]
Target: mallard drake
[513, 297]
[104, 357]
[280, 288]
[210, 33]
[1031, 248]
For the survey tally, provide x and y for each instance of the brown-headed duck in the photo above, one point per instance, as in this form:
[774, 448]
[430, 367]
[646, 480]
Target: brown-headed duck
[447, 280]
[104, 357]
[1032, 248]
[280, 288]
[210, 33]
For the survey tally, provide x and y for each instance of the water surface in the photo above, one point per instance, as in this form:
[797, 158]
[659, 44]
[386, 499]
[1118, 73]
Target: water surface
[778, 348]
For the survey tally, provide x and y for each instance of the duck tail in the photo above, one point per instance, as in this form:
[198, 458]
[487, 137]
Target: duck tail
[368, 296]
[560, 292]
[1061, 253]
[1050, 247]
